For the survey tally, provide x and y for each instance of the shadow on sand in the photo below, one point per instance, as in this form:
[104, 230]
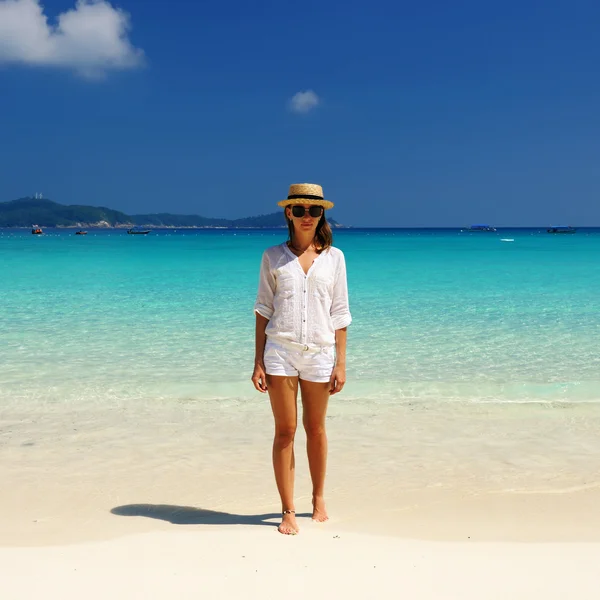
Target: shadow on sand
[189, 515]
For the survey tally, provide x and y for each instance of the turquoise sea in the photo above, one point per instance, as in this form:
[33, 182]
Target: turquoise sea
[439, 315]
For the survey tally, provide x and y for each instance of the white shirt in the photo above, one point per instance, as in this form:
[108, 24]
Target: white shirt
[303, 308]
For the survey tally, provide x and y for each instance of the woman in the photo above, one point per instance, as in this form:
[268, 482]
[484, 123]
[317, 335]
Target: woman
[301, 319]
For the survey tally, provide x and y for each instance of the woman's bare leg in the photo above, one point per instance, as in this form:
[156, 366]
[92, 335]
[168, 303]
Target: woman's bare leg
[315, 397]
[283, 392]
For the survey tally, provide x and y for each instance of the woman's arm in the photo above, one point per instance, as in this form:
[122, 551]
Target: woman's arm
[266, 289]
[263, 309]
[259, 377]
[340, 310]
[338, 375]
[341, 318]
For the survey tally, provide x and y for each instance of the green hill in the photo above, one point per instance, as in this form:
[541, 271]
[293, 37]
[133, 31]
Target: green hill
[45, 213]
[26, 212]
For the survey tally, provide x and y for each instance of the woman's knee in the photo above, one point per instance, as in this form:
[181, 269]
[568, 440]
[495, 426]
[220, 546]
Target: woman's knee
[284, 435]
[314, 430]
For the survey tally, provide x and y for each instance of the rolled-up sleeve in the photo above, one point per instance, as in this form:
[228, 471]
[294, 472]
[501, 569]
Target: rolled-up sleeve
[340, 307]
[266, 289]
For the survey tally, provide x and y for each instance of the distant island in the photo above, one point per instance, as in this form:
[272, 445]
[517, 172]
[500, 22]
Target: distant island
[26, 212]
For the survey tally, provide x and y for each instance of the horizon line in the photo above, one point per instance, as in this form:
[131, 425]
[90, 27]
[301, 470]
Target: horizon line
[338, 228]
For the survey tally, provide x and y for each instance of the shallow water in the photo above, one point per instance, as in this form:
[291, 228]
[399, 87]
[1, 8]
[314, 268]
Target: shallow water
[439, 316]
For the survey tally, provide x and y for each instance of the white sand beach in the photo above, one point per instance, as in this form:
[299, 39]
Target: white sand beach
[178, 501]
[324, 562]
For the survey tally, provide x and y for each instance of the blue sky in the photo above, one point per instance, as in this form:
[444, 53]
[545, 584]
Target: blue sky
[427, 114]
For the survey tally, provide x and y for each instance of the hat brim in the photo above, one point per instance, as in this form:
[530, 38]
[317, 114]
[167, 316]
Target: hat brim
[326, 204]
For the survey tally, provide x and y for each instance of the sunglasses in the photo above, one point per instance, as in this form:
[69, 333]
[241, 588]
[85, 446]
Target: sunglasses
[314, 211]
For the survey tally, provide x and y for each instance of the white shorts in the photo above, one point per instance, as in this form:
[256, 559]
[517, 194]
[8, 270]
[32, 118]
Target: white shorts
[309, 365]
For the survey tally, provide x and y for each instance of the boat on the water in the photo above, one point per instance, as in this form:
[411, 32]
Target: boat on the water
[135, 231]
[36, 230]
[81, 232]
[562, 229]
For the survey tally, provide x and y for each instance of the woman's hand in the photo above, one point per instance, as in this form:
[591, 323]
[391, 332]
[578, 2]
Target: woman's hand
[259, 377]
[338, 379]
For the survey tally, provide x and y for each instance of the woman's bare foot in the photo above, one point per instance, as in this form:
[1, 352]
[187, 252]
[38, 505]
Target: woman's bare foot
[288, 524]
[319, 510]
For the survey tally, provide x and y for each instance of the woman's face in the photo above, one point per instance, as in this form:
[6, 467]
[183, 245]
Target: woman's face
[304, 223]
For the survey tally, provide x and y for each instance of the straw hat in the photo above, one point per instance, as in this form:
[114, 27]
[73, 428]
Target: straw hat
[306, 193]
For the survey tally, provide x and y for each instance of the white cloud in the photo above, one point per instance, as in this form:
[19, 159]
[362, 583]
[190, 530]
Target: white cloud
[302, 102]
[90, 38]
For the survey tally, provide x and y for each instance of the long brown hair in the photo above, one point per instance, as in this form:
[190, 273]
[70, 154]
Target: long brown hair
[323, 236]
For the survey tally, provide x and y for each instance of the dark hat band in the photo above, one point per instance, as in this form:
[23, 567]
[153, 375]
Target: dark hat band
[305, 196]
